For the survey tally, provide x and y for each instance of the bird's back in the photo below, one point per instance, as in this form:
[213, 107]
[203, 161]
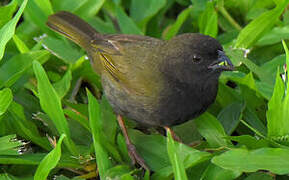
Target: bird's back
[133, 87]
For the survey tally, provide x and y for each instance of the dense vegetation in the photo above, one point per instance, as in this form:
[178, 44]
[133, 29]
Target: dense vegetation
[54, 123]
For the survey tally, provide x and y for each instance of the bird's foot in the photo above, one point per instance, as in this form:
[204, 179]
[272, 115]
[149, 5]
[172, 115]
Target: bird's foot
[135, 157]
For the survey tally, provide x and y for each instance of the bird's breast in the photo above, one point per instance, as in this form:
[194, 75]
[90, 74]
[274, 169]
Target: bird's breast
[183, 102]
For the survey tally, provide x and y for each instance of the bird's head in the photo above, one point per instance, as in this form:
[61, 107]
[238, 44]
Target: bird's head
[193, 57]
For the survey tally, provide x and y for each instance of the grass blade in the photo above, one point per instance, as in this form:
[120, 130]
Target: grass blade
[90, 8]
[255, 29]
[15, 67]
[50, 161]
[26, 128]
[127, 25]
[20, 44]
[178, 166]
[61, 49]
[277, 114]
[101, 155]
[45, 6]
[142, 11]
[8, 30]
[35, 159]
[51, 104]
[6, 98]
[63, 85]
[174, 28]
[9, 145]
[6, 12]
[208, 21]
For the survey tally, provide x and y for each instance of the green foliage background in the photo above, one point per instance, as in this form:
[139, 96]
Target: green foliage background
[53, 123]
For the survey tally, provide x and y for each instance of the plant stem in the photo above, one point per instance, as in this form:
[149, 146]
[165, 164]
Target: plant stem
[229, 18]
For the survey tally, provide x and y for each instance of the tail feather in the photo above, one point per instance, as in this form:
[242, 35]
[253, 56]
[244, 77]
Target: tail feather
[73, 28]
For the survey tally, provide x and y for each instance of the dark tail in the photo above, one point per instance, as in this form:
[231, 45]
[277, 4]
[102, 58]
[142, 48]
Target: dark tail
[73, 28]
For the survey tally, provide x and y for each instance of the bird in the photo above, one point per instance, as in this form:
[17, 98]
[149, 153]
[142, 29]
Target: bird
[157, 83]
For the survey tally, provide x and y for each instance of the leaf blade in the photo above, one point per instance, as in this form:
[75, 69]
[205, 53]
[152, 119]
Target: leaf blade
[101, 155]
[255, 29]
[272, 159]
[51, 104]
[8, 30]
[49, 161]
[6, 98]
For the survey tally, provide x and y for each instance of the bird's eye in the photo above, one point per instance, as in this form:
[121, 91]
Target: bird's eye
[197, 59]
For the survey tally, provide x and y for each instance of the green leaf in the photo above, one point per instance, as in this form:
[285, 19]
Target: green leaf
[249, 141]
[230, 116]
[62, 177]
[208, 21]
[173, 29]
[9, 145]
[259, 176]
[255, 29]
[63, 85]
[196, 172]
[12, 70]
[278, 1]
[102, 158]
[20, 44]
[8, 30]
[81, 119]
[277, 114]
[25, 128]
[178, 166]
[226, 21]
[67, 5]
[110, 126]
[127, 25]
[142, 11]
[6, 98]
[5, 177]
[218, 173]
[211, 129]
[90, 8]
[49, 161]
[158, 161]
[199, 5]
[6, 12]
[187, 132]
[227, 95]
[35, 158]
[37, 15]
[287, 60]
[51, 104]
[101, 26]
[274, 36]
[45, 6]
[61, 49]
[275, 160]
[273, 65]
[118, 172]
[237, 57]
[250, 116]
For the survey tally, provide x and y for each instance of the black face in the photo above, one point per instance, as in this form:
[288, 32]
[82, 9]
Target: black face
[198, 56]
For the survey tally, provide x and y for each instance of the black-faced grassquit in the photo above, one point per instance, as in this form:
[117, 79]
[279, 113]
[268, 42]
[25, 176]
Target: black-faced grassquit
[152, 81]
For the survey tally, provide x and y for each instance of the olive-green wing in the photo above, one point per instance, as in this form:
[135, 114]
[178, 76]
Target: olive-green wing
[131, 61]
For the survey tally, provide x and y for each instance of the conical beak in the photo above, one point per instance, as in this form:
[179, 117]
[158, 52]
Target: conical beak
[222, 63]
